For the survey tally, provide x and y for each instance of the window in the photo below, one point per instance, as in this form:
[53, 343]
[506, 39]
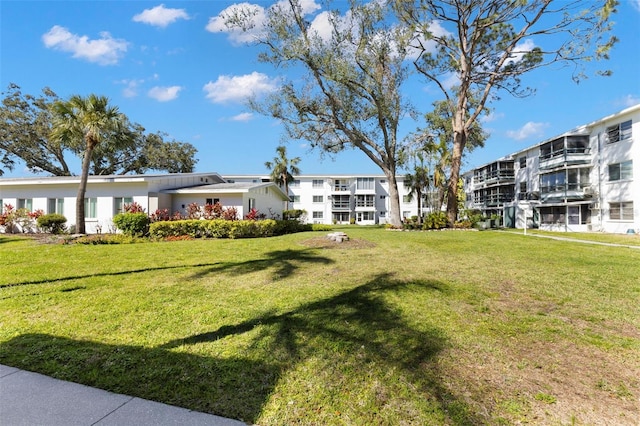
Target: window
[553, 215]
[295, 183]
[383, 215]
[252, 203]
[340, 185]
[406, 199]
[573, 215]
[295, 198]
[25, 203]
[382, 197]
[318, 199]
[341, 202]
[621, 171]
[523, 162]
[621, 211]
[55, 205]
[619, 132]
[365, 216]
[317, 215]
[365, 200]
[90, 208]
[318, 183]
[364, 183]
[406, 215]
[119, 203]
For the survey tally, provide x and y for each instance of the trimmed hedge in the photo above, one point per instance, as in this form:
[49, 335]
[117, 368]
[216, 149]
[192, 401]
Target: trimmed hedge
[220, 228]
[132, 224]
[53, 223]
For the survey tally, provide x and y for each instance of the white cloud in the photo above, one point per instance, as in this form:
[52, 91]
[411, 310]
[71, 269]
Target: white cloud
[530, 129]
[491, 117]
[430, 46]
[104, 51]
[131, 89]
[520, 50]
[636, 4]
[254, 17]
[160, 16]
[245, 116]
[164, 94]
[239, 88]
[630, 100]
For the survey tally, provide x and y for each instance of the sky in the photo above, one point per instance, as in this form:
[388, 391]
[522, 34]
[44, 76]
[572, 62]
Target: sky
[171, 67]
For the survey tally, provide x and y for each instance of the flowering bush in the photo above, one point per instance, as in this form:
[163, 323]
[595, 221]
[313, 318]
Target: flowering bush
[133, 208]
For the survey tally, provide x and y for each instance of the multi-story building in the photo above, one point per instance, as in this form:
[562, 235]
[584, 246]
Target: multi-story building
[343, 199]
[582, 180]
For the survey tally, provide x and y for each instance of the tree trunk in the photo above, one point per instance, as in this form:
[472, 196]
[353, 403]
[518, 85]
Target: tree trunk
[86, 161]
[394, 204]
[459, 141]
[419, 194]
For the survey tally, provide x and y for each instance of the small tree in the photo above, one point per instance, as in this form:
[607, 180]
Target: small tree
[418, 182]
[282, 169]
[84, 119]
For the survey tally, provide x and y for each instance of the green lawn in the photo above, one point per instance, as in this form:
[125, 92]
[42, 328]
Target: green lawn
[423, 328]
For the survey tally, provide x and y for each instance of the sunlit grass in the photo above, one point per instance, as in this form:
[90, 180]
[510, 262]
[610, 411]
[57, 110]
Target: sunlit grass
[455, 327]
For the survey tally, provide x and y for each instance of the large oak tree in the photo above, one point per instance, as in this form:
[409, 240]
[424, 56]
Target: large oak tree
[25, 135]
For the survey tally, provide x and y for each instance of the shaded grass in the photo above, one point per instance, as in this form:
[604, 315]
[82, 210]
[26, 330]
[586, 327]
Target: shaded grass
[417, 328]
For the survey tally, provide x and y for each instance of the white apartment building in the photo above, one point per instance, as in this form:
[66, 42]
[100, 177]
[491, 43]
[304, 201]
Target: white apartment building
[587, 179]
[343, 199]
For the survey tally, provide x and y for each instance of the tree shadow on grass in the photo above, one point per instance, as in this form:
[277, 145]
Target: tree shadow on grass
[283, 262]
[105, 274]
[356, 336]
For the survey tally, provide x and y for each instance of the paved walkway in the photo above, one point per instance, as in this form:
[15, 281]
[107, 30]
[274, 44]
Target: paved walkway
[575, 240]
[28, 398]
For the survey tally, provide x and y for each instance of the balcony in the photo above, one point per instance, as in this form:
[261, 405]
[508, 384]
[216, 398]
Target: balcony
[493, 200]
[566, 192]
[498, 173]
[564, 151]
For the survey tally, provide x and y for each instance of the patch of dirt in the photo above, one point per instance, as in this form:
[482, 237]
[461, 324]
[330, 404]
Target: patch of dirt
[326, 243]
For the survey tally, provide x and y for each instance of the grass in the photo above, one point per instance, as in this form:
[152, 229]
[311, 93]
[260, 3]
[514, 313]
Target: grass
[410, 328]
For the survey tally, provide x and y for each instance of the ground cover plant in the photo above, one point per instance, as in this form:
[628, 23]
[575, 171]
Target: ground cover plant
[391, 327]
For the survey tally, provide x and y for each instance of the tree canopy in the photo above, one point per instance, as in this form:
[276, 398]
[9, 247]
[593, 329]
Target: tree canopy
[487, 45]
[348, 94]
[25, 135]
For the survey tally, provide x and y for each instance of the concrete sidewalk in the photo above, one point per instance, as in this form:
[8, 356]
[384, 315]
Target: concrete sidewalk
[28, 398]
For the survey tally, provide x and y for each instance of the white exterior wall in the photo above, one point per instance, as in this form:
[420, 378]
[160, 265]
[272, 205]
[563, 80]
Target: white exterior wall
[602, 190]
[617, 191]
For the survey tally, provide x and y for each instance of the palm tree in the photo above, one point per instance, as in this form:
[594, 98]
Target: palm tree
[418, 183]
[84, 119]
[283, 169]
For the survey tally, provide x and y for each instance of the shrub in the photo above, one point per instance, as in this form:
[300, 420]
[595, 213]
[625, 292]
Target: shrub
[294, 214]
[133, 208]
[435, 220]
[52, 223]
[321, 227]
[463, 224]
[220, 228]
[132, 224]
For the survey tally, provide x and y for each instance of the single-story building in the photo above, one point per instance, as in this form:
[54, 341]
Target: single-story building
[106, 195]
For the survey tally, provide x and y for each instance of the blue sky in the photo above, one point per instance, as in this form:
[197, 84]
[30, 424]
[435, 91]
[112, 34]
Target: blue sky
[168, 67]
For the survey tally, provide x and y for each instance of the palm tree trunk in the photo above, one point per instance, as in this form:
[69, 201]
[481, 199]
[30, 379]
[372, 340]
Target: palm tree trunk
[86, 162]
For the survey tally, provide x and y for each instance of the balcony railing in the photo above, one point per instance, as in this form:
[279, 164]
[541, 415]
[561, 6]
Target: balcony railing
[566, 191]
[505, 175]
[341, 205]
[565, 156]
